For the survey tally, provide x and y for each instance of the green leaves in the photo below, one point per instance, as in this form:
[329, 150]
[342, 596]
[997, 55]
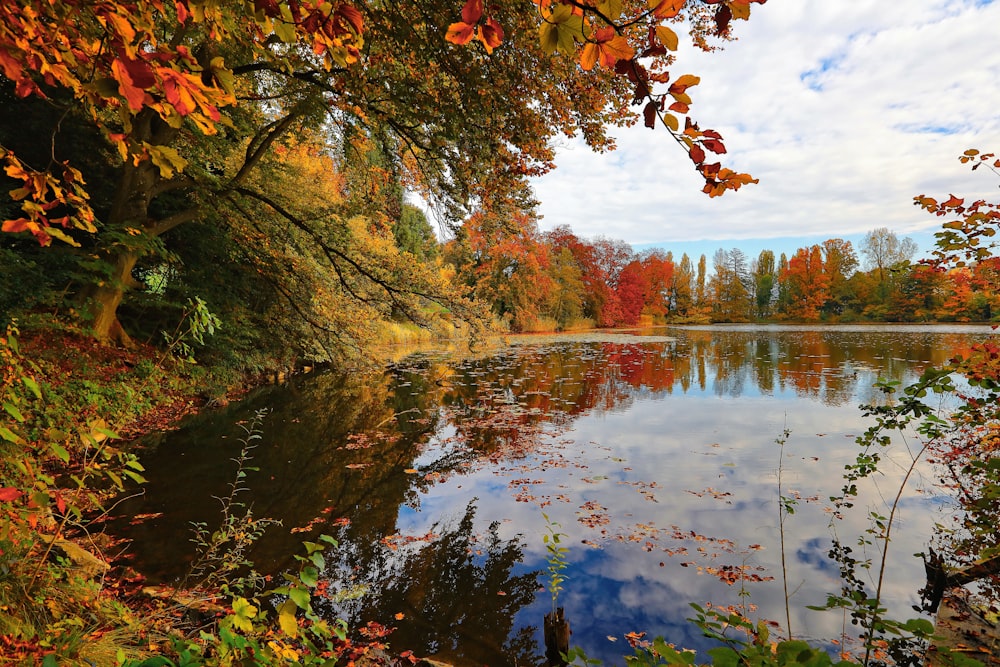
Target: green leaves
[300, 596]
[556, 559]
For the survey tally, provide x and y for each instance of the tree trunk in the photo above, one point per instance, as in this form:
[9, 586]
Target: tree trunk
[137, 186]
[102, 300]
[140, 183]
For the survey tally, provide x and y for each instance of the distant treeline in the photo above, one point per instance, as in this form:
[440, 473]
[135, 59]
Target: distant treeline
[557, 281]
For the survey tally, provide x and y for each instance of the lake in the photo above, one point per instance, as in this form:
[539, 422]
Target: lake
[653, 454]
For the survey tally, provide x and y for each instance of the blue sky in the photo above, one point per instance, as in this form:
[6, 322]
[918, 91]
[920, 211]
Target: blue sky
[844, 110]
[784, 244]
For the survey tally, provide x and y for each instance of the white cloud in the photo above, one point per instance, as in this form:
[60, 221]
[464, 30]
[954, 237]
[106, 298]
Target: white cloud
[845, 111]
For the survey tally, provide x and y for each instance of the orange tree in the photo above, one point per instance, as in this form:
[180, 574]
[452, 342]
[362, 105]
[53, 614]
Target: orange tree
[176, 89]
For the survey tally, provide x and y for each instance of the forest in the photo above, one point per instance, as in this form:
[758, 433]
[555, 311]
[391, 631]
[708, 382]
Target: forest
[556, 281]
[205, 192]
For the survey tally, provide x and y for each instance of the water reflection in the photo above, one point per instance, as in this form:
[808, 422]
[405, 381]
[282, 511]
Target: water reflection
[655, 455]
[452, 589]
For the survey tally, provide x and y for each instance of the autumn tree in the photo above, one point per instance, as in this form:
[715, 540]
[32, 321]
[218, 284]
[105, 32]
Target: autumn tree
[598, 294]
[631, 291]
[461, 125]
[322, 281]
[658, 270]
[506, 262]
[701, 296]
[839, 264]
[807, 283]
[965, 242]
[613, 255]
[919, 296]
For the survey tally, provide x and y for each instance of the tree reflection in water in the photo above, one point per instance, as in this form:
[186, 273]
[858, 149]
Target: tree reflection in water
[456, 591]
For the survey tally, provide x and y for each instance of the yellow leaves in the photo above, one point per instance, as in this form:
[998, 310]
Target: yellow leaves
[167, 159]
[284, 651]
[560, 30]
[121, 25]
[222, 76]
[610, 9]
[243, 615]
[667, 37]
[286, 618]
[740, 10]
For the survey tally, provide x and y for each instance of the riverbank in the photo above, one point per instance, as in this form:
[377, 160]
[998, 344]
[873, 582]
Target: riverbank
[71, 406]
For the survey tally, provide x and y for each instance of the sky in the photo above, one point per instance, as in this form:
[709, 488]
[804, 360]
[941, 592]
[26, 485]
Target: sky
[845, 110]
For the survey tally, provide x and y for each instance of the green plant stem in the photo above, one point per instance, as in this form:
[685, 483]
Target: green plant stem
[782, 514]
[885, 547]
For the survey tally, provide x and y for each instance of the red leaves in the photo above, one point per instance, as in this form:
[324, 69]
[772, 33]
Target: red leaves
[607, 48]
[348, 17]
[717, 179]
[9, 494]
[953, 202]
[649, 114]
[490, 34]
[723, 15]
[269, 8]
[472, 11]
[697, 154]
[714, 145]
[183, 12]
[134, 77]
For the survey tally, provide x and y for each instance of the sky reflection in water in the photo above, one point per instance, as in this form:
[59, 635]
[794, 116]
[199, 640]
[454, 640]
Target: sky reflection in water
[655, 456]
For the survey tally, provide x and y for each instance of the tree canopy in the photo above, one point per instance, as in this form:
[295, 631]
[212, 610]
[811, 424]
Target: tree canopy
[184, 101]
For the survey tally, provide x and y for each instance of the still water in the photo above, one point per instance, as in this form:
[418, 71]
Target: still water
[652, 453]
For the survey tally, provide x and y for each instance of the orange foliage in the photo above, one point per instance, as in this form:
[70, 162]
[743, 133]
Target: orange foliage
[807, 283]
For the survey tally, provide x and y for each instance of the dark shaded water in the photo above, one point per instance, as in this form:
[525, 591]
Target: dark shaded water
[654, 454]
